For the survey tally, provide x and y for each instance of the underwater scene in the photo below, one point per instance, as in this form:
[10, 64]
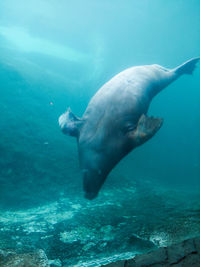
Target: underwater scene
[86, 197]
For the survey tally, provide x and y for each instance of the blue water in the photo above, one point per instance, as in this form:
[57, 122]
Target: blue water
[58, 54]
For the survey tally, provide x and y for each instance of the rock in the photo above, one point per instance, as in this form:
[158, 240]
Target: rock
[184, 254]
[140, 243]
[55, 263]
[179, 251]
[156, 257]
[10, 258]
[116, 264]
[197, 243]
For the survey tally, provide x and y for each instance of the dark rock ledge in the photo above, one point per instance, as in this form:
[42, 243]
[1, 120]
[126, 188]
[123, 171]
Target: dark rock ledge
[184, 254]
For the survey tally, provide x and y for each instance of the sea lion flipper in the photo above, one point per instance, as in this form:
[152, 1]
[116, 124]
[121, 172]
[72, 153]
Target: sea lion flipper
[146, 128]
[188, 67]
[69, 123]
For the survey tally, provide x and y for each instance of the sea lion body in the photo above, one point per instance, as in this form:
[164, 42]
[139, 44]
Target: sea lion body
[115, 121]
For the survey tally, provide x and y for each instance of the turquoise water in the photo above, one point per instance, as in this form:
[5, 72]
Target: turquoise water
[55, 55]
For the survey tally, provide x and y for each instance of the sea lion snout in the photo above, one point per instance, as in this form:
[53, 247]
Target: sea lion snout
[92, 182]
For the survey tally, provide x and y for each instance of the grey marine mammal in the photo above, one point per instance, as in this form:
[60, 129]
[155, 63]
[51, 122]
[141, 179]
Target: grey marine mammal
[115, 121]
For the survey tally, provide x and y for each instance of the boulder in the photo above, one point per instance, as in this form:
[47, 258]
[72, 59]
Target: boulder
[10, 258]
[184, 254]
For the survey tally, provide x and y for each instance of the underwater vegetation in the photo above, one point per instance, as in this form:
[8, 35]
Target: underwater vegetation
[55, 55]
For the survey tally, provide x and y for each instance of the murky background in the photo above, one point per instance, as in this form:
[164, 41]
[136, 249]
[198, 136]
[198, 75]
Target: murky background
[57, 54]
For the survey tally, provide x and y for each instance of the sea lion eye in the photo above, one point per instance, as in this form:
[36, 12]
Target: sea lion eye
[129, 127]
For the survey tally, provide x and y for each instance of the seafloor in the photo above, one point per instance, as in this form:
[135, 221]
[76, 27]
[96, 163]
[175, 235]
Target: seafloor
[119, 224]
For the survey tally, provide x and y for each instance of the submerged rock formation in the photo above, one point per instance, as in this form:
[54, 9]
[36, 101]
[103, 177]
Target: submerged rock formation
[184, 254]
[9, 258]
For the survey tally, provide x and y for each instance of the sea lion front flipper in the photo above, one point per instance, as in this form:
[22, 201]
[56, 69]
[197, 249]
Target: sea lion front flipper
[146, 128]
[69, 123]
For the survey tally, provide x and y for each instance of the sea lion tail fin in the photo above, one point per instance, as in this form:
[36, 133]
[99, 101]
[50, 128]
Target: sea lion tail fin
[188, 67]
[69, 123]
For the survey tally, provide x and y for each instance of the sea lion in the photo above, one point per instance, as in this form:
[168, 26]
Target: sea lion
[116, 121]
